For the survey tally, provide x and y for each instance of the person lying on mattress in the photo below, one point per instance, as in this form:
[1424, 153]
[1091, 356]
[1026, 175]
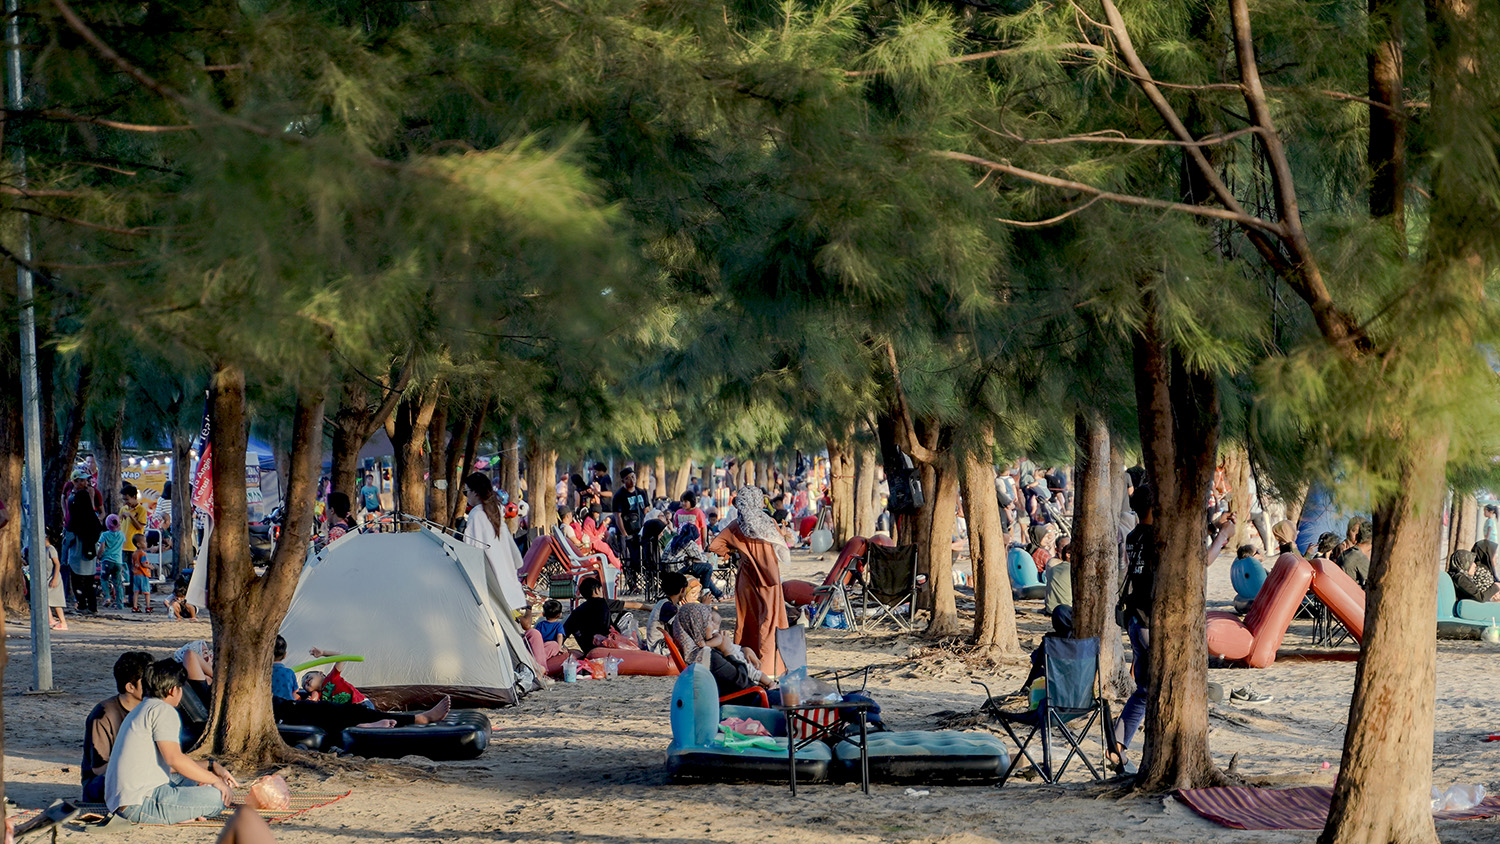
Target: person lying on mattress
[334, 717]
[330, 687]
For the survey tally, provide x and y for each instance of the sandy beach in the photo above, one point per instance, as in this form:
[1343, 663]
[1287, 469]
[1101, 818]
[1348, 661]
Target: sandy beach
[584, 762]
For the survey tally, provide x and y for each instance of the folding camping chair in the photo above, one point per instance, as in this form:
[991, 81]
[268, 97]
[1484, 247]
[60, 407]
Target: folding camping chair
[577, 567]
[1072, 673]
[889, 581]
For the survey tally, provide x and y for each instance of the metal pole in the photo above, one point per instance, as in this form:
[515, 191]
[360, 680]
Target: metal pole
[41, 569]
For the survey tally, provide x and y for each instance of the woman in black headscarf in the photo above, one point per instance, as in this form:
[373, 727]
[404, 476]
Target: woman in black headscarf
[1486, 554]
[1470, 579]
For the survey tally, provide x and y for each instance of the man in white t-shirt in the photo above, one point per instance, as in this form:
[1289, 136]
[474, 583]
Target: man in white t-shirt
[149, 778]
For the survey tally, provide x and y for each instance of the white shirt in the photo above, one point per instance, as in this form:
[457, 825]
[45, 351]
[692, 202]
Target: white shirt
[502, 553]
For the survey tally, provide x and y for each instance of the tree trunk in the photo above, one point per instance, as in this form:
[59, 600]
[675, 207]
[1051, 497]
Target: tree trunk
[407, 429]
[1237, 473]
[864, 492]
[471, 451]
[1381, 796]
[680, 479]
[437, 464]
[939, 542]
[510, 460]
[1096, 547]
[12, 458]
[108, 457]
[60, 466]
[1178, 412]
[994, 611]
[659, 477]
[246, 609]
[1386, 142]
[541, 478]
[182, 509]
[841, 490]
[361, 412]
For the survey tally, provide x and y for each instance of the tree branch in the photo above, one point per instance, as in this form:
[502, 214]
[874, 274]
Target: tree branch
[1050, 220]
[1337, 326]
[1168, 114]
[1081, 46]
[68, 117]
[1243, 219]
[1114, 136]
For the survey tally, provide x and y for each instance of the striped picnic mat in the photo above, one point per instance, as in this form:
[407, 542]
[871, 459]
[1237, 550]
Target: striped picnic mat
[1290, 808]
[301, 801]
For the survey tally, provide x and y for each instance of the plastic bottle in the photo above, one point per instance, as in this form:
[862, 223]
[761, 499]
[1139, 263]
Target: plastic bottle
[570, 670]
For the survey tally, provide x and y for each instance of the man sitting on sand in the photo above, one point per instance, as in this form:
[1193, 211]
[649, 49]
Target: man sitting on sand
[149, 779]
[103, 723]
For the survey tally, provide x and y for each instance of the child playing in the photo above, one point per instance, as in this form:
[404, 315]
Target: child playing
[112, 558]
[330, 687]
[551, 625]
[178, 606]
[545, 638]
[140, 575]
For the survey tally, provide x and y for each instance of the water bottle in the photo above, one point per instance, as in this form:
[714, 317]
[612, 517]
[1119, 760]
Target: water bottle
[570, 670]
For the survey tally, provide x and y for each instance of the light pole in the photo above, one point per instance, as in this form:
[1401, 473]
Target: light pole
[41, 570]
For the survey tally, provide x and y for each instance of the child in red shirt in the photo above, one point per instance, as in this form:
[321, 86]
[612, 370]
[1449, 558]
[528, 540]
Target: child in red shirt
[331, 687]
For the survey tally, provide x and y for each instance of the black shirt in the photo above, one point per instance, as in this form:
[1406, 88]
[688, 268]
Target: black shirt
[1140, 574]
[1356, 565]
[590, 619]
[631, 505]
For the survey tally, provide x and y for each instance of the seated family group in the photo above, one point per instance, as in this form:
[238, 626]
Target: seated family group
[133, 759]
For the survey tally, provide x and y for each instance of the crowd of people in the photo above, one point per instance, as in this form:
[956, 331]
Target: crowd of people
[94, 554]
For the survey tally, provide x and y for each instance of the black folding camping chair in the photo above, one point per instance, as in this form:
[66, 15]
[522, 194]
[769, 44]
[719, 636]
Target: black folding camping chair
[889, 584]
[1072, 673]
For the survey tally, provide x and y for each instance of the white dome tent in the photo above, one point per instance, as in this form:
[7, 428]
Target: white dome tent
[425, 612]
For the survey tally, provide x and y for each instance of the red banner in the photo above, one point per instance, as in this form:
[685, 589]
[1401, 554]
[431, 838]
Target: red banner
[203, 481]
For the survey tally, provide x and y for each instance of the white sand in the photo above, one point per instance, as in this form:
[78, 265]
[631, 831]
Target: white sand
[584, 763]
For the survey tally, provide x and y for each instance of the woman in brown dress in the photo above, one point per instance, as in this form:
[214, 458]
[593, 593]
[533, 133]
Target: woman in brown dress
[760, 609]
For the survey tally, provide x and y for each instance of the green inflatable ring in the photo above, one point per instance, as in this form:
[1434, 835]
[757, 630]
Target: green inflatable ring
[324, 660]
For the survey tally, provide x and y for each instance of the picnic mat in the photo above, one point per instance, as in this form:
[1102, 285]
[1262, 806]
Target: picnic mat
[1290, 808]
[301, 801]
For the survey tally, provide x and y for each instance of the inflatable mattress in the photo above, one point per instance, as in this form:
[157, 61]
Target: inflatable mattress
[464, 734]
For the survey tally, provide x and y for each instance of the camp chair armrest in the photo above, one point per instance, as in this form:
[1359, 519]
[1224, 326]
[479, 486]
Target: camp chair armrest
[838, 676]
[756, 691]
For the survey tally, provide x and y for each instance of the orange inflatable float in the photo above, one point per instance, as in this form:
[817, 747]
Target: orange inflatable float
[1255, 640]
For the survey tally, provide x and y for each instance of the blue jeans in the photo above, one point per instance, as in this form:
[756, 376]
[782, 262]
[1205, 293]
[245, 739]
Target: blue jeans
[178, 801]
[1134, 710]
[705, 574]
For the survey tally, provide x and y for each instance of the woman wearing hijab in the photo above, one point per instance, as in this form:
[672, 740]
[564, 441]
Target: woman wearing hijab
[1286, 536]
[1487, 554]
[486, 527]
[760, 608]
[693, 630]
[1472, 580]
